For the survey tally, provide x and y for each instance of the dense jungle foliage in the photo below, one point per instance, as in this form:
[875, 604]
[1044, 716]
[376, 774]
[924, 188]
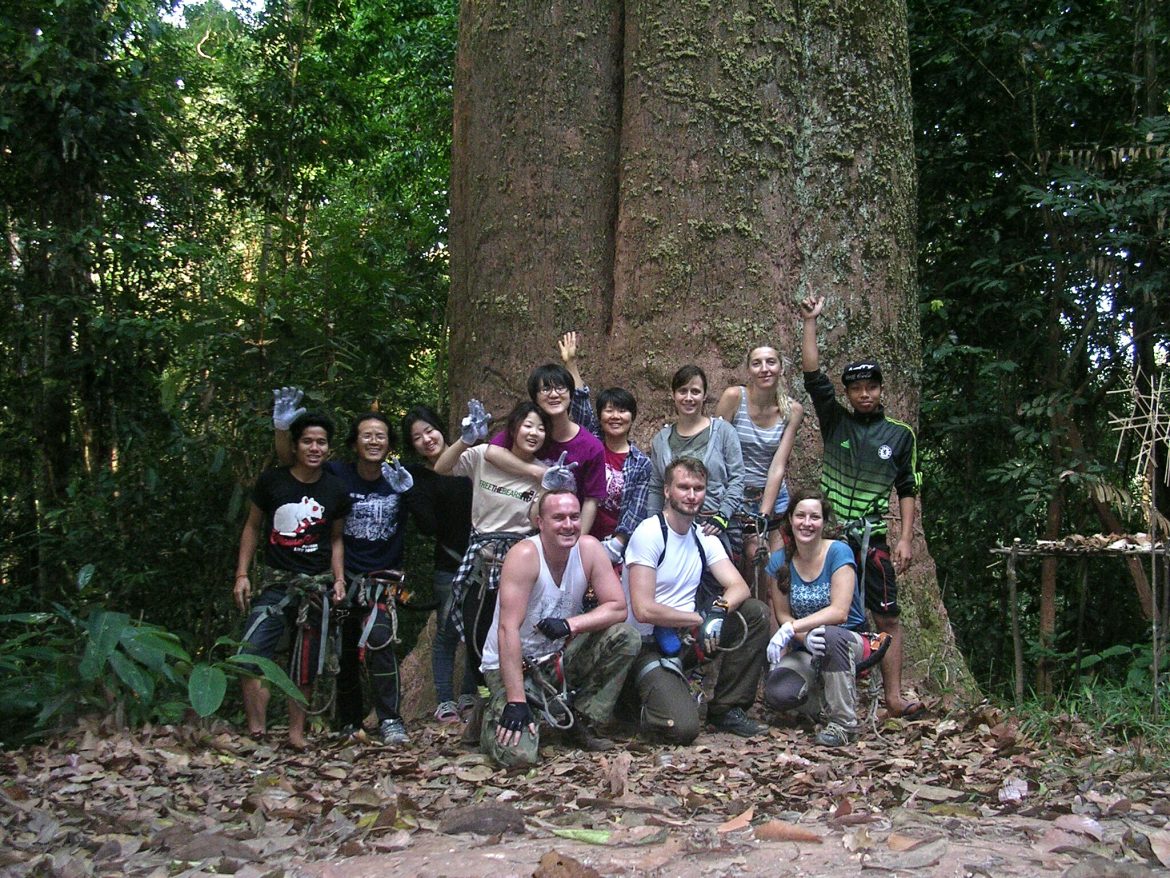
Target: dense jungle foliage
[201, 204]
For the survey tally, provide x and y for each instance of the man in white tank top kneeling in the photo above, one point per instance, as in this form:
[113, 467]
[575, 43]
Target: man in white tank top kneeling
[540, 613]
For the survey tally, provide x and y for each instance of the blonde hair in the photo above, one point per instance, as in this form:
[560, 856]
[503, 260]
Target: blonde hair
[783, 400]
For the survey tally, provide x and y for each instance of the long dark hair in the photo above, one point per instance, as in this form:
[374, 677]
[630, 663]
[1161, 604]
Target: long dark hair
[799, 496]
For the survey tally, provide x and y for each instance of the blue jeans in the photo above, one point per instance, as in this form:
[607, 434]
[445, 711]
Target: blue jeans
[445, 643]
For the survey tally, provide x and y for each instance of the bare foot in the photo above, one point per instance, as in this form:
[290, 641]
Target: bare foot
[298, 743]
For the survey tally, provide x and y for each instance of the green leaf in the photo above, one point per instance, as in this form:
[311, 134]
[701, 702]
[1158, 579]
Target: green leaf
[270, 671]
[133, 675]
[84, 576]
[151, 646]
[206, 688]
[589, 836]
[103, 630]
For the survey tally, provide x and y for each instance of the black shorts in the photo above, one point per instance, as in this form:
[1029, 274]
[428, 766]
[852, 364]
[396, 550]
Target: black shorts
[881, 584]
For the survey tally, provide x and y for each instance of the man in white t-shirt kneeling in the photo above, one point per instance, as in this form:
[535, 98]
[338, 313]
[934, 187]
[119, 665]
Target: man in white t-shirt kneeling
[666, 559]
[545, 657]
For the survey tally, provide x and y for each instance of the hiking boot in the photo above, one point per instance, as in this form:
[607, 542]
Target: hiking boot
[833, 735]
[393, 732]
[448, 712]
[581, 733]
[736, 722]
[873, 650]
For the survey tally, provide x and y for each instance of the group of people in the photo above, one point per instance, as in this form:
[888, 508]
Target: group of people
[592, 582]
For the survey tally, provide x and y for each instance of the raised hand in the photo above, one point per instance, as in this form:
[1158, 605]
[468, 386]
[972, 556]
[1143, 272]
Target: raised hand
[397, 476]
[474, 428]
[286, 406]
[567, 345]
[812, 306]
[559, 476]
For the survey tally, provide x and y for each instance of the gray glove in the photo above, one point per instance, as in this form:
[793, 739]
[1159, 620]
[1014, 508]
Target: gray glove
[614, 548]
[815, 642]
[474, 427]
[397, 476]
[286, 406]
[559, 476]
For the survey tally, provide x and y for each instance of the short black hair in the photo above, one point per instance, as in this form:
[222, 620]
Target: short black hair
[352, 436]
[311, 419]
[423, 413]
[549, 375]
[620, 399]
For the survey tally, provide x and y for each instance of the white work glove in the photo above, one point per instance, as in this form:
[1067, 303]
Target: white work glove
[474, 428]
[286, 406]
[397, 476]
[814, 641]
[614, 548]
[779, 643]
[559, 476]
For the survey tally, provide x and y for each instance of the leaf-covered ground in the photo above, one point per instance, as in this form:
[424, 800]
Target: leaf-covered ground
[955, 795]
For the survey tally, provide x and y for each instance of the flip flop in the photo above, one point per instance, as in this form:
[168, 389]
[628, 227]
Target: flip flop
[912, 710]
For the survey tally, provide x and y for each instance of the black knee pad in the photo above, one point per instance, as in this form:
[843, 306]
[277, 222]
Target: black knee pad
[785, 689]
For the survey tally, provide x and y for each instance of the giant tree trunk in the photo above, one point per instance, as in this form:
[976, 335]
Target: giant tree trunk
[671, 178]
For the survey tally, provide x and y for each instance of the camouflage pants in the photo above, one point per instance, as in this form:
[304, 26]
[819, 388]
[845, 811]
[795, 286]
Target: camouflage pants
[596, 664]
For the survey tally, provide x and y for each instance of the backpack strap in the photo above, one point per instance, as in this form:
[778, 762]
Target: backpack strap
[694, 533]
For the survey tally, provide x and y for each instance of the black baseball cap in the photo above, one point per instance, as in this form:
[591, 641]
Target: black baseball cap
[862, 370]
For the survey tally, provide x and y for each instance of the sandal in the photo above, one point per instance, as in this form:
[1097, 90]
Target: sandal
[914, 709]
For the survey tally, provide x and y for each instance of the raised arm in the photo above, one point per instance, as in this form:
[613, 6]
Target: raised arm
[286, 408]
[810, 309]
[778, 468]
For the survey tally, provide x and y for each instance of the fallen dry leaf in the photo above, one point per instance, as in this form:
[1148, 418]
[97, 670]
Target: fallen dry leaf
[741, 822]
[778, 830]
[558, 865]
[1078, 823]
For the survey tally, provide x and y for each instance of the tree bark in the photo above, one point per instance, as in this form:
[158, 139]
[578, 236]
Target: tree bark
[765, 153]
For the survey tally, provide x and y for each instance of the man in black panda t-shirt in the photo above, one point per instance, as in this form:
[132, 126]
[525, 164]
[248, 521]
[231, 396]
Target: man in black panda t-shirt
[301, 511]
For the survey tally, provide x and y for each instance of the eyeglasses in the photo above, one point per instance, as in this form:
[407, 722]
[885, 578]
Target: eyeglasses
[554, 391]
[373, 437]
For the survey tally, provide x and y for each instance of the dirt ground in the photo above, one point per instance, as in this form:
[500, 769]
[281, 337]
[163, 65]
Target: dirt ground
[962, 794]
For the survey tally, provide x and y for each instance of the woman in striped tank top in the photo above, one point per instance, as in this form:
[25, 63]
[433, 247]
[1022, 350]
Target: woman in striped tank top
[766, 420]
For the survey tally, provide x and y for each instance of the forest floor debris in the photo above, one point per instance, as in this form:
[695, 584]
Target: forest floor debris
[961, 794]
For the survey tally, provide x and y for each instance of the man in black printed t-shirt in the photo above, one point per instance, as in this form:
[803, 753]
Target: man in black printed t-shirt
[300, 511]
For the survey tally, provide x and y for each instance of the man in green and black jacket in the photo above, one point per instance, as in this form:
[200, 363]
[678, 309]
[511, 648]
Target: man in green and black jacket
[867, 454]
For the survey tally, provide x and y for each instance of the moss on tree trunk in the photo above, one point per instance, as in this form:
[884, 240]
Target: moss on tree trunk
[671, 178]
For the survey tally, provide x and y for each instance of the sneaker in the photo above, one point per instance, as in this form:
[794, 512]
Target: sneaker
[737, 722]
[393, 732]
[466, 706]
[833, 735]
[581, 733]
[448, 712]
[873, 650]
